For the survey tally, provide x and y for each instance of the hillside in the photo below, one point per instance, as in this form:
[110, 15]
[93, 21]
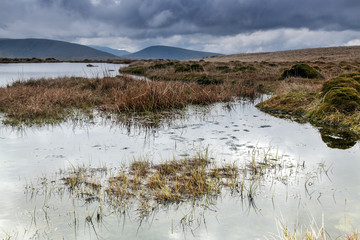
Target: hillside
[328, 54]
[43, 48]
[165, 52]
[113, 51]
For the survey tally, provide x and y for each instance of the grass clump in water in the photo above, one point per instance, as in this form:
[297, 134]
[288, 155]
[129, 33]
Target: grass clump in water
[145, 184]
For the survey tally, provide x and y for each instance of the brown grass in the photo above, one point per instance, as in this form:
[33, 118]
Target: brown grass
[49, 101]
[326, 54]
[261, 74]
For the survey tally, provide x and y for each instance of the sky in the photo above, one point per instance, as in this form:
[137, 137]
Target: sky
[223, 26]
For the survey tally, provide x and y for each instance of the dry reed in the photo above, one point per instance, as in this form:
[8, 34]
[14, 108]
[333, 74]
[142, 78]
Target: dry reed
[50, 101]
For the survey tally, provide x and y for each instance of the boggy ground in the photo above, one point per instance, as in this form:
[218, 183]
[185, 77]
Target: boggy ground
[52, 101]
[260, 75]
[299, 87]
[174, 85]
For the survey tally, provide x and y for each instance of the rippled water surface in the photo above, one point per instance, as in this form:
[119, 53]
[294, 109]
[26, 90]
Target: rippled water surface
[316, 190]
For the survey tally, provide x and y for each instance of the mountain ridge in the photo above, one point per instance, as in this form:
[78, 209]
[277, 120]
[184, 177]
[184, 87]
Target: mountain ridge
[113, 51]
[168, 52]
[46, 48]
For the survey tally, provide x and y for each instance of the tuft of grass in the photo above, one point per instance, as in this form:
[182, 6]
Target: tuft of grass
[194, 179]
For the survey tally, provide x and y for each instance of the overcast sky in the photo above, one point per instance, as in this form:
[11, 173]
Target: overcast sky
[225, 26]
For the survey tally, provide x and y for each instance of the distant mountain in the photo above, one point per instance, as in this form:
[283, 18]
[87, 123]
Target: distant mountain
[43, 48]
[113, 51]
[165, 52]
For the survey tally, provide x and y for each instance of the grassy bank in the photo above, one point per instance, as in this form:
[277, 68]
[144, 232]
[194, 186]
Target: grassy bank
[336, 103]
[52, 101]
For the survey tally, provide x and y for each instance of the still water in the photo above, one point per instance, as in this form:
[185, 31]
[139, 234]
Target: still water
[315, 192]
[321, 189]
[23, 71]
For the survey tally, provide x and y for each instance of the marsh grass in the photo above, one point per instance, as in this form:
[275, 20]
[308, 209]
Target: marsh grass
[142, 188]
[311, 232]
[146, 186]
[52, 101]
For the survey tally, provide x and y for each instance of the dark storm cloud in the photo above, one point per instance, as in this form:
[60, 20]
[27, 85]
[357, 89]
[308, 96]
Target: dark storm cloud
[233, 24]
[149, 18]
[216, 17]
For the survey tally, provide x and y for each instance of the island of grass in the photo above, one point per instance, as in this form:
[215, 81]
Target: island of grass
[337, 104]
[48, 101]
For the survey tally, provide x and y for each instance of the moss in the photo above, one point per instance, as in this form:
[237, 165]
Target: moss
[338, 105]
[338, 138]
[300, 70]
[291, 103]
[340, 82]
[354, 75]
[343, 99]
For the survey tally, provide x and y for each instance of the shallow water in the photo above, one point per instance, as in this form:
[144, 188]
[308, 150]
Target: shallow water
[23, 71]
[231, 133]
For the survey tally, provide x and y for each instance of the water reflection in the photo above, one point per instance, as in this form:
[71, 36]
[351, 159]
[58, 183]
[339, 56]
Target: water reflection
[337, 138]
[42, 151]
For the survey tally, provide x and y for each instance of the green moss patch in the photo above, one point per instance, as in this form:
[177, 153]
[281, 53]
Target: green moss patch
[340, 82]
[343, 99]
[291, 103]
[337, 104]
[300, 70]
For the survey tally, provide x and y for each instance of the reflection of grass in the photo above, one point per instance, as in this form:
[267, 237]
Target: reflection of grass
[146, 185]
[143, 188]
[51, 101]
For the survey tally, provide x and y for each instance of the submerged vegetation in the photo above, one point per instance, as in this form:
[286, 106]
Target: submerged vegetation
[144, 186]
